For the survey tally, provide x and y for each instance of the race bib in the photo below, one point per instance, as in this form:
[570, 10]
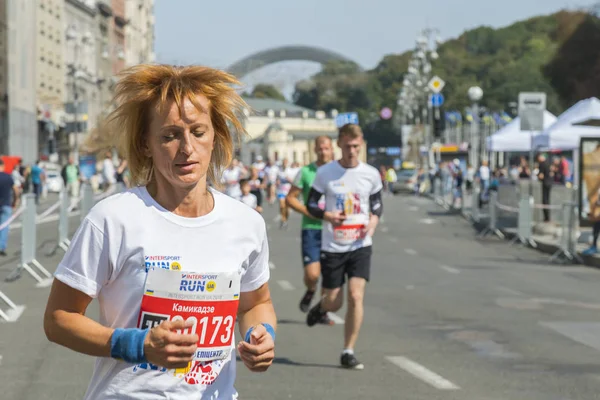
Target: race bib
[351, 230]
[208, 300]
[322, 203]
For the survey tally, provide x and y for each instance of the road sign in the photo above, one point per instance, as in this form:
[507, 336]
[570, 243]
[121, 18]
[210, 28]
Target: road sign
[386, 113]
[531, 110]
[346, 118]
[436, 84]
[436, 99]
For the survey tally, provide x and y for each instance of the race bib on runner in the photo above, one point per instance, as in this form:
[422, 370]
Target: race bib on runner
[351, 230]
[208, 300]
[322, 203]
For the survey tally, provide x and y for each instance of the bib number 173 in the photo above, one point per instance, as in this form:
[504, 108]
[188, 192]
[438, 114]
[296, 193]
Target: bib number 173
[212, 330]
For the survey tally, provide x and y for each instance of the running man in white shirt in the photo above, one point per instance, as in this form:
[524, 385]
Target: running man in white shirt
[231, 179]
[173, 263]
[311, 227]
[285, 177]
[353, 207]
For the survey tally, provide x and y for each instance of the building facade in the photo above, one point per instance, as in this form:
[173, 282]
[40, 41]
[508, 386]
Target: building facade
[118, 31]
[105, 40]
[139, 32]
[50, 73]
[279, 130]
[21, 136]
[3, 72]
[83, 98]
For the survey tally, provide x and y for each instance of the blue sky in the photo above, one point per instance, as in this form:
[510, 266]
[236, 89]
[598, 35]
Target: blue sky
[218, 33]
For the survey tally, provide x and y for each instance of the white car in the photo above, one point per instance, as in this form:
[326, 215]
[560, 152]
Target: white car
[54, 182]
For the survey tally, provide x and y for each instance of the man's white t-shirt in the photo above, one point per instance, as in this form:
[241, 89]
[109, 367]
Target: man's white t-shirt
[484, 173]
[286, 178]
[109, 171]
[250, 200]
[272, 172]
[123, 237]
[348, 190]
[231, 178]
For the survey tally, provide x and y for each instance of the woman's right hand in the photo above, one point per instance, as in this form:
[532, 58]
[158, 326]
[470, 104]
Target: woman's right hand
[166, 348]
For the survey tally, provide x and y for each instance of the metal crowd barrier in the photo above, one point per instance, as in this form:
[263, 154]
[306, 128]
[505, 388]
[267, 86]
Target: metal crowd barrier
[28, 261]
[29, 247]
[525, 222]
[567, 251]
[493, 221]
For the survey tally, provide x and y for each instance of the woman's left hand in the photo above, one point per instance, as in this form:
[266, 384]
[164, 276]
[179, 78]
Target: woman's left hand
[257, 355]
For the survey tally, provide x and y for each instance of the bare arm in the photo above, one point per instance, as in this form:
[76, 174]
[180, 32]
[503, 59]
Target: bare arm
[255, 308]
[295, 204]
[65, 322]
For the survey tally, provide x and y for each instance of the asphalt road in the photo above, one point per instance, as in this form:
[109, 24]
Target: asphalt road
[447, 317]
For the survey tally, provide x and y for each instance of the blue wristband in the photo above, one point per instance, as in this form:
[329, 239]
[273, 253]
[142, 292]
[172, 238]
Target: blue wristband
[128, 345]
[268, 327]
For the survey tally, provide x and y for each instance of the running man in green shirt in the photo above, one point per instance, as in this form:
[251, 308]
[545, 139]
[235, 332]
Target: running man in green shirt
[311, 228]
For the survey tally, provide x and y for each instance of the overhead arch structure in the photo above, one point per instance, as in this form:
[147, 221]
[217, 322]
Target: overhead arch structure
[285, 53]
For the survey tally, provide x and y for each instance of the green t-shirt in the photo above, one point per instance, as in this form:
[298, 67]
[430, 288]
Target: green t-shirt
[304, 181]
[71, 173]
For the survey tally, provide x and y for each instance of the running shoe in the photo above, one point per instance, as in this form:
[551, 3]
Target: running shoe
[306, 299]
[349, 361]
[325, 320]
[315, 315]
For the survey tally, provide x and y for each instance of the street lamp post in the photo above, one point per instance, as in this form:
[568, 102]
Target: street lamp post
[475, 94]
[414, 95]
[76, 74]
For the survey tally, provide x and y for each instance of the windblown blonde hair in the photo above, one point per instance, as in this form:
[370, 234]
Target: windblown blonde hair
[144, 89]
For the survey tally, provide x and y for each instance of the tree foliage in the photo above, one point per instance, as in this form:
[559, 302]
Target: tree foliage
[555, 54]
[266, 91]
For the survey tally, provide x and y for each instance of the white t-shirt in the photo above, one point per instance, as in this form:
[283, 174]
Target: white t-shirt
[484, 173]
[286, 178]
[109, 171]
[124, 236]
[231, 178]
[348, 190]
[272, 172]
[249, 200]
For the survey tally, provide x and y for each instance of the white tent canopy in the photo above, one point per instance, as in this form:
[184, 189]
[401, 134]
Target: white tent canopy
[564, 134]
[512, 138]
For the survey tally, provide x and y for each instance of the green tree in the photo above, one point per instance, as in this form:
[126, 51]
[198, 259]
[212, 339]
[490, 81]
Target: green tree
[266, 91]
[552, 53]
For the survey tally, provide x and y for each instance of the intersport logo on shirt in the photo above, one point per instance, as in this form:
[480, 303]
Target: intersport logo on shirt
[194, 285]
[164, 262]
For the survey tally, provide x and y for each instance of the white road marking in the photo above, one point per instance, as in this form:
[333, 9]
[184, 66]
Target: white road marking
[385, 229]
[271, 265]
[414, 208]
[450, 270]
[427, 221]
[422, 373]
[285, 285]
[411, 252]
[335, 318]
[393, 239]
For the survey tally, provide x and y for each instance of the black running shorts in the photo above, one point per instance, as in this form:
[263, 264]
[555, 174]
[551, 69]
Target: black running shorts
[336, 266]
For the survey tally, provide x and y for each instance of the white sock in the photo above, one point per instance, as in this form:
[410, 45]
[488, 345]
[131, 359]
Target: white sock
[348, 351]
